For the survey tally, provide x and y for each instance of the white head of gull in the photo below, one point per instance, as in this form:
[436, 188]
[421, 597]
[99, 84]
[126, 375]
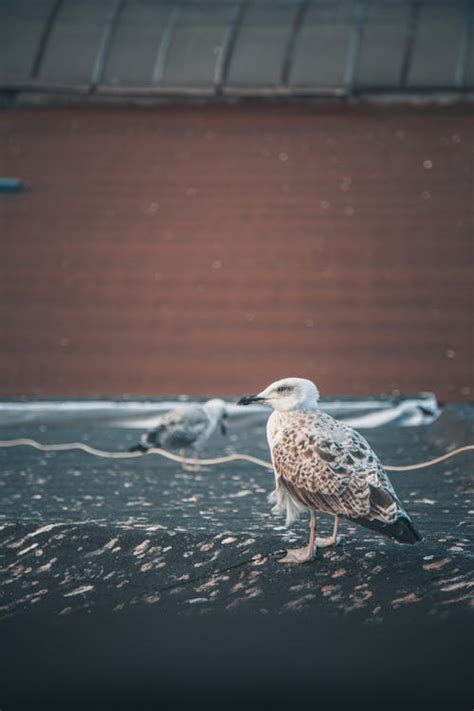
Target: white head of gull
[322, 464]
[287, 395]
[216, 408]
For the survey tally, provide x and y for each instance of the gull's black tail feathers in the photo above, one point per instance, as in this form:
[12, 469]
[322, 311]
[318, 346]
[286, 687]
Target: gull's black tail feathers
[138, 448]
[401, 530]
[148, 441]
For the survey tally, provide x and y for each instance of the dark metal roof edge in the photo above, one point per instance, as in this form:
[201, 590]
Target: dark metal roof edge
[40, 88]
[32, 99]
[212, 93]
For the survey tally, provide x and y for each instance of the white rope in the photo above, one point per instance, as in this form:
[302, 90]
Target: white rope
[216, 460]
[429, 462]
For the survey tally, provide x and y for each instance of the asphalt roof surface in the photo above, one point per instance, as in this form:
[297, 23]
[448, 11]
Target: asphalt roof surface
[131, 541]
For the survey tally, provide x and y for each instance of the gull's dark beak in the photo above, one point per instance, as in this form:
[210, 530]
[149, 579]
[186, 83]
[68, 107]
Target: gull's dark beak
[249, 399]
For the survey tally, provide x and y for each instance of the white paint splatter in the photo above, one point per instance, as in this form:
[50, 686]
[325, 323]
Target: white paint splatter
[140, 549]
[26, 550]
[79, 590]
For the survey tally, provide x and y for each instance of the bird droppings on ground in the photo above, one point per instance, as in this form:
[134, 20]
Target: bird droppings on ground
[436, 564]
[410, 597]
[141, 532]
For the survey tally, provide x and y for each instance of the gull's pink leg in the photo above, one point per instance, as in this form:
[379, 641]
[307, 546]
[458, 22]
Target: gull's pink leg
[303, 555]
[331, 540]
[192, 467]
[182, 453]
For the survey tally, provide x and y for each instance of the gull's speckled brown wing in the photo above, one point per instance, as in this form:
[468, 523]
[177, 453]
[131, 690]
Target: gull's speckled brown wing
[328, 466]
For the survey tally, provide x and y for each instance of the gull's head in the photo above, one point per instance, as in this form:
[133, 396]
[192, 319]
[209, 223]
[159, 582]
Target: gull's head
[217, 409]
[286, 395]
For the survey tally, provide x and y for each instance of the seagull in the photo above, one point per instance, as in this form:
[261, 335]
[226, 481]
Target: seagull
[322, 464]
[188, 425]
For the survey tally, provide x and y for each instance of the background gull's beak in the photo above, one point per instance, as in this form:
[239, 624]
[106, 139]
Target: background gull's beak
[249, 399]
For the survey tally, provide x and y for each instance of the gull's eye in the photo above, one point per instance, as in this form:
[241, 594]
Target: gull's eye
[282, 388]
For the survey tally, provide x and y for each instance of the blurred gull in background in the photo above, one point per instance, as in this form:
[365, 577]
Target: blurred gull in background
[186, 426]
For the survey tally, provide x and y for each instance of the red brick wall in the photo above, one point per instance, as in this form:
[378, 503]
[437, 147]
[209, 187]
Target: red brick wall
[215, 249]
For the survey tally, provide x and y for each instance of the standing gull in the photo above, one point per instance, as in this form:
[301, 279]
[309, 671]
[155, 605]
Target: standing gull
[188, 425]
[324, 465]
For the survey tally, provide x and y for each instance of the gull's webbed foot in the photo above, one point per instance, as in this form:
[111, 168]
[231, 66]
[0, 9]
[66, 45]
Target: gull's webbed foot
[298, 555]
[191, 467]
[328, 541]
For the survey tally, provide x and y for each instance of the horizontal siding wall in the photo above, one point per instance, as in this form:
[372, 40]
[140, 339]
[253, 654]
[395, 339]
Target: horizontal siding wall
[214, 249]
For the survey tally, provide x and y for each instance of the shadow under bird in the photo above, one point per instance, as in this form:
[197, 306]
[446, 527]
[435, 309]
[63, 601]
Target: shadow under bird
[324, 465]
[187, 426]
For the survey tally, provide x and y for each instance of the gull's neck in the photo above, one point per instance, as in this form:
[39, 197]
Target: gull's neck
[308, 405]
